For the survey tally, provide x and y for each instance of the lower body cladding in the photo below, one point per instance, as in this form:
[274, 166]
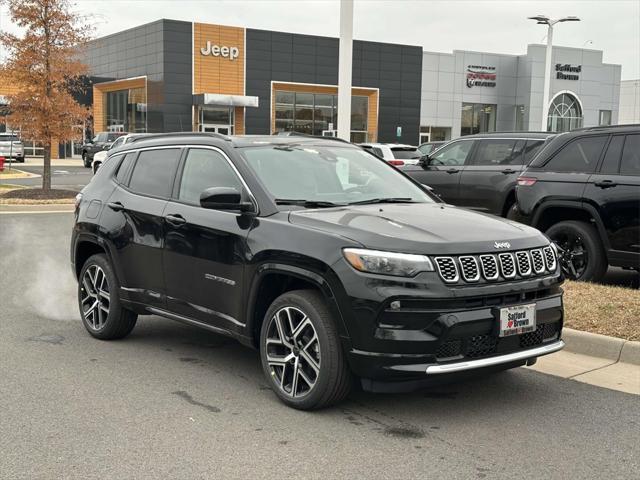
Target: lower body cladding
[420, 342]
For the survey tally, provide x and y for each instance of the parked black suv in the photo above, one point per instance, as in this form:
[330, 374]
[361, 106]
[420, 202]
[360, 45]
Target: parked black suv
[102, 141]
[325, 258]
[479, 171]
[583, 189]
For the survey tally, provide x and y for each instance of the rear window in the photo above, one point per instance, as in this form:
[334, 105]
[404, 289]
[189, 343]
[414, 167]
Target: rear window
[630, 164]
[532, 148]
[154, 172]
[403, 153]
[580, 156]
[125, 167]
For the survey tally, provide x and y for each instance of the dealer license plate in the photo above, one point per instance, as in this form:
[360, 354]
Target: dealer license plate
[517, 320]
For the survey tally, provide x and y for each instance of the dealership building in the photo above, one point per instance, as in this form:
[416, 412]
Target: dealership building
[181, 76]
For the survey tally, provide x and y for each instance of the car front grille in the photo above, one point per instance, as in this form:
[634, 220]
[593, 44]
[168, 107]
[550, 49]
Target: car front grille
[479, 346]
[495, 267]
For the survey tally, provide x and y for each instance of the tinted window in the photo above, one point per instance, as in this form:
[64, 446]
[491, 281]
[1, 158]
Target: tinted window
[154, 172]
[405, 153]
[630, 164]
[125, 166]
[453, 154]
[611, 161]
[205, 169]
[580, 155]
[495, 152]
[532, 148]
[113, 136]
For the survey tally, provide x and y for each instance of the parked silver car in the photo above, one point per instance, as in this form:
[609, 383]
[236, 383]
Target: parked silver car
[11, 147]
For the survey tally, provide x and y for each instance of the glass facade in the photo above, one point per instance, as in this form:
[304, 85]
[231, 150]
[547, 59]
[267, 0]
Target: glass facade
[478, 118]
[605, 117]
[126, 110]
[565, 114]
[520, 118]
[317, 114]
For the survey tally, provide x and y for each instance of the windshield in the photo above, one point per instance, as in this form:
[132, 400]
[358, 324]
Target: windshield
[112, 136]
[329, 174]
[405, 153]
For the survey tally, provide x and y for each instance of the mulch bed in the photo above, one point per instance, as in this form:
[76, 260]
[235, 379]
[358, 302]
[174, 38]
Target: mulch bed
[39, 194]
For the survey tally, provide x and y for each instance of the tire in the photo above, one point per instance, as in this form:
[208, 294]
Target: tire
[582, 255]
[85, 159]
[98, 287]
[307, 311]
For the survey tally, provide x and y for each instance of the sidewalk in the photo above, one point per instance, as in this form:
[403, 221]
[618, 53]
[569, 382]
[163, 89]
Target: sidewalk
[55, 162]
[45, 208]
[599, 360]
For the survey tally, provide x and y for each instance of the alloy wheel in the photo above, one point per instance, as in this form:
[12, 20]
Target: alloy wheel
[293, 352]
[573, 254]
[94, 297]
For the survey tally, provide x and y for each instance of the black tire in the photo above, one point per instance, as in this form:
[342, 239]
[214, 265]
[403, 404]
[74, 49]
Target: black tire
[119, 321]
[579, 237]
[333, 380]
[85, 160]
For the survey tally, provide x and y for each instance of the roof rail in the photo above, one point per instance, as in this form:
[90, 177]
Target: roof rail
[298, 134]
[182, 134]
[601, 127]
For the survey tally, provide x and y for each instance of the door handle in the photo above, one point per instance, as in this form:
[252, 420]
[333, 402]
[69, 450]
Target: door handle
[606, 184]
[452, 171]
[508, 171]
[176, 219]
[116, 206]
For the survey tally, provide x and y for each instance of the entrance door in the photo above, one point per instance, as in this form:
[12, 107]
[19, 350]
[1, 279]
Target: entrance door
[216, 119]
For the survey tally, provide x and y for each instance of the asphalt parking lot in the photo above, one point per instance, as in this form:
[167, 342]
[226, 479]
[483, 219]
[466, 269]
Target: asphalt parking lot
[175, 402]
[71, 177]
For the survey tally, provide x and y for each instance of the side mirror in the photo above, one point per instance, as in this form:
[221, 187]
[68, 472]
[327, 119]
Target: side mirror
[424, 160]
[224, 198]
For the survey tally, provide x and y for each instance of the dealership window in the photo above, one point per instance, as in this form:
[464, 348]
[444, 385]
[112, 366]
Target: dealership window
[565, 113]
[605, 117]
[317, 114]
[126, 110]
[478, 118]
[216, 119]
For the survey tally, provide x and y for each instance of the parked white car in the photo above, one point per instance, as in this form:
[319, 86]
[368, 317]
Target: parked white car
[11, 147]
[101, 156]
[394, 153]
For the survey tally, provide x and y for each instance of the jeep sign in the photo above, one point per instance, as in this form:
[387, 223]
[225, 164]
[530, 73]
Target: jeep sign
[217, 51]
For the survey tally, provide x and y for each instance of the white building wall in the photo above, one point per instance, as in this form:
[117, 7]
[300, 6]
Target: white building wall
[629, 102]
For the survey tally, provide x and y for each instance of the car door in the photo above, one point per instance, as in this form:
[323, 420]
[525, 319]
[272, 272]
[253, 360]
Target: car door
[615, 192]
[134, 221]
[490, 174]
[205, 250]
[442, 170]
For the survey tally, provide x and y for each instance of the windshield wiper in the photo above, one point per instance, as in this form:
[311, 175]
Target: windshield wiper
[307, 203]
[384, 200]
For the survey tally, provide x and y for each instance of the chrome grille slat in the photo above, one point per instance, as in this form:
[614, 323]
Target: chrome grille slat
[447, 269]
[538, 261]
[550, 258]
[489, 267]
[507, 265]
[499, 266]
[524, 263]
[469, 268]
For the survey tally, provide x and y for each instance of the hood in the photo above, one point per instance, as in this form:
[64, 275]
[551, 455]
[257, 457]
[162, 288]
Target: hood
[435, 229]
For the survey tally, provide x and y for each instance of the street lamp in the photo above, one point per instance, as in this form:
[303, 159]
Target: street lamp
[549, 22]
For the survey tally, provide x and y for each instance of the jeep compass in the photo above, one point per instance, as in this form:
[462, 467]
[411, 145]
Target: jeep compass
[337, 267]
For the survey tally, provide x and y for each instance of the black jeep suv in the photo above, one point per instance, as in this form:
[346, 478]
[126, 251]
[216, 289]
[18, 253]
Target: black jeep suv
[583, 190]
[325, 258]
[479, 171]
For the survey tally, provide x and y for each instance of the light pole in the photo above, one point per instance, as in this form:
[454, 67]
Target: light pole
[549, 22]
[345, 55]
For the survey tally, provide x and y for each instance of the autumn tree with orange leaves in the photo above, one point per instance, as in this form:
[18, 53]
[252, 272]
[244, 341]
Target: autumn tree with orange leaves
[44, 63]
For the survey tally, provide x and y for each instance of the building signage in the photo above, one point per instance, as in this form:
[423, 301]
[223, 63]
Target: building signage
[220, 51]
[481, 76]
[568, 72]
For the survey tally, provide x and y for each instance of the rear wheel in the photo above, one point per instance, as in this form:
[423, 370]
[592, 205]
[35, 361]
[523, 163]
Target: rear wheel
[581, 254]
[102, 313]
[301, 353]
[85, 160]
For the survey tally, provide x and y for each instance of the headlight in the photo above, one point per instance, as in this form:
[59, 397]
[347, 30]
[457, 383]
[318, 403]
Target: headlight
[387, 263]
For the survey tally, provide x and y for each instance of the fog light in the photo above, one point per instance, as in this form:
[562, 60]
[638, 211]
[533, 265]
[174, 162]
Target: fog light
[395, 305]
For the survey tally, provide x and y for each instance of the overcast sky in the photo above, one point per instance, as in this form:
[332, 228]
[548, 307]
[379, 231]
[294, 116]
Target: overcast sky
[499, 26]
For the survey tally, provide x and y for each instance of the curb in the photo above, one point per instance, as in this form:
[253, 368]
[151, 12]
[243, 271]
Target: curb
[18, 176]
[602, 346]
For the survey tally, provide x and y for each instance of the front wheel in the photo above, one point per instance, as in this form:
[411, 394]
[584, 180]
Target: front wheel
[581, 254]
[301, 353]
[102, 313]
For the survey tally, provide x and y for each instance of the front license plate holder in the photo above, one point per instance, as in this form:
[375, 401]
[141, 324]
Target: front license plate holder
[516, 320]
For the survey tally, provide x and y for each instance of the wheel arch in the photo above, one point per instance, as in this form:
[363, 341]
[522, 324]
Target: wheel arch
[274, 279]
